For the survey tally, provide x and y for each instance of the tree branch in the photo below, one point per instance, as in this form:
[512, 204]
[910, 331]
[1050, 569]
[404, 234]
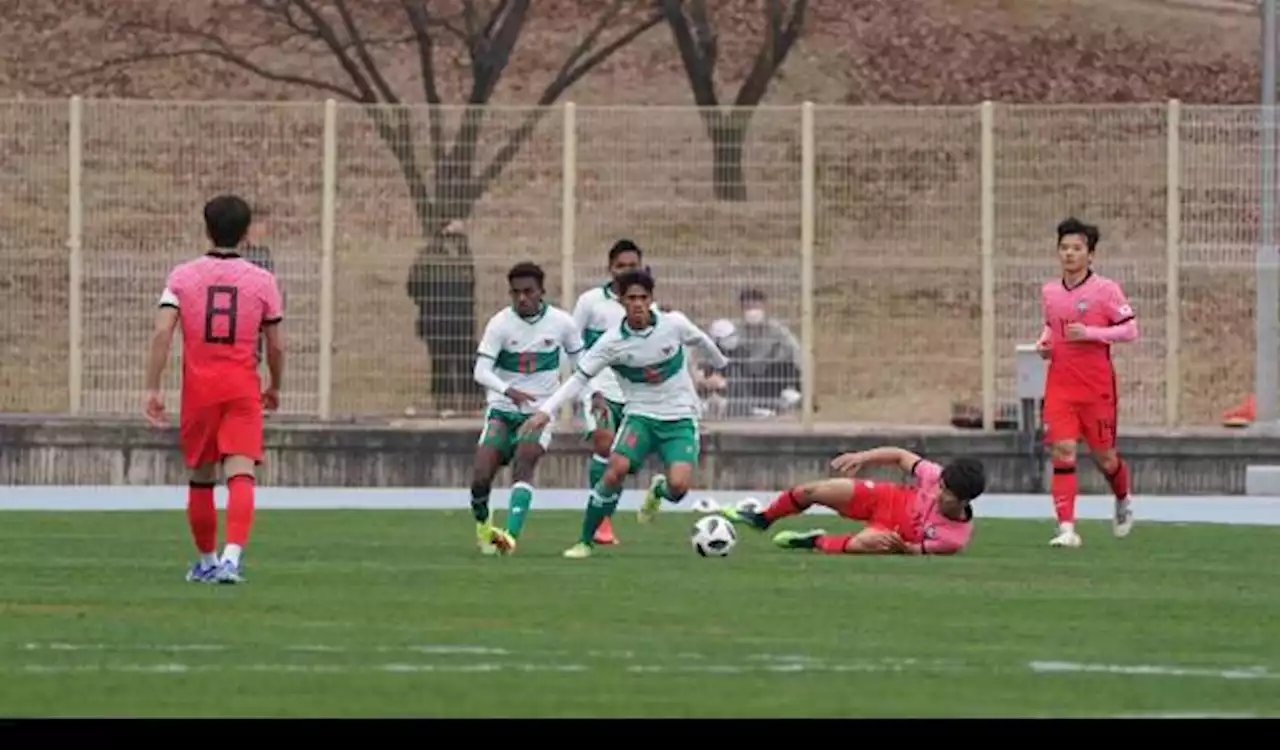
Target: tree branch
[326, 34]
[362, 53]
[420, 22]
[773, 52]
[569, 74]
[698, 68]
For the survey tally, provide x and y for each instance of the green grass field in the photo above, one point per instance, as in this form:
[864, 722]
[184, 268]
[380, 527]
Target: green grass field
[394, 614]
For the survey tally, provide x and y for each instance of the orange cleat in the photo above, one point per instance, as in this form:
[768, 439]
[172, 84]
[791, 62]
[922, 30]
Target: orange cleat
[604, 533]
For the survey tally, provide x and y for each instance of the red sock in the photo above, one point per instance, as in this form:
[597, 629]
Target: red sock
[1119, 480]
[783, 505]
[1063, 489]
[833, 544]
[202, 517]
[239, 509]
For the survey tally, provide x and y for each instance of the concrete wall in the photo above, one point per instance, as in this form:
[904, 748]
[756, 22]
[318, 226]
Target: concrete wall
[750, 456]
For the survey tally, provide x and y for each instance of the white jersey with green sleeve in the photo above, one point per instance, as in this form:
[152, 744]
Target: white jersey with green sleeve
[651, 367]
[527, 353]
[599, 310]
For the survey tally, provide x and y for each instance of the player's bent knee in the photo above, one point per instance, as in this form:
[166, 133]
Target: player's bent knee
[602, 443]
[480, 487]
[239, 466]
[1063, 451]
[205, 474]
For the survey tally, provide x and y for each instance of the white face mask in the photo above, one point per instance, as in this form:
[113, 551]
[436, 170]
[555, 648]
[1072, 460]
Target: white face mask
[753, 316]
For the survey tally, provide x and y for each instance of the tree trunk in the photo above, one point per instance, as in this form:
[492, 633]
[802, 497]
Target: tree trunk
[728, 134]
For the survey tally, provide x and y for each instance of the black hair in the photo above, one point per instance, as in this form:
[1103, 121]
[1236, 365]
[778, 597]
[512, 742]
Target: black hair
[226, 220]
[966, 478]
[631, 278]
[751, 294]
[1072, 225]
[527, 270]
[625, 246]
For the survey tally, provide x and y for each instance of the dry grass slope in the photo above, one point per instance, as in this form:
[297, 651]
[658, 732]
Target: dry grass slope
[898, 204]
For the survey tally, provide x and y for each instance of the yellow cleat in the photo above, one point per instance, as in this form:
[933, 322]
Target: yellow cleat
[484, 539]
[578, 551]
[649, 508]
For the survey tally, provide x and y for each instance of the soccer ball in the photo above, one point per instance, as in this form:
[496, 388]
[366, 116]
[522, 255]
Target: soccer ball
[713, 536]
[749, 505]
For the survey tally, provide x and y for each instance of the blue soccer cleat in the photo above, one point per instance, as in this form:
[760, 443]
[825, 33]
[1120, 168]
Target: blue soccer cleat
[201, 573]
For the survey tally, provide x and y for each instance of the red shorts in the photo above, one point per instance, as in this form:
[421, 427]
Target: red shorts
[211, 432]
[881, 505]
[1069, 418]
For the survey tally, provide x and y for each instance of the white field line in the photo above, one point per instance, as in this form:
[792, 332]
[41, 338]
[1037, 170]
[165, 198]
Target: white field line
[1153, 670]
[497, 659]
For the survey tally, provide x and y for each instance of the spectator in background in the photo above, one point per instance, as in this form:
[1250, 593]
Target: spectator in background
[442, 284]
[763, 378]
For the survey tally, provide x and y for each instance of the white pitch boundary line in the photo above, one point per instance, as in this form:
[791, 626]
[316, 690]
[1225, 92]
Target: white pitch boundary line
[1261, 511]
[772, 663]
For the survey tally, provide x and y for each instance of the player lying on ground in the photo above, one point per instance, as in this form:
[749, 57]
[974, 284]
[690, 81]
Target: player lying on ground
[222, 303]
[518, 364]
[1084, 314]
[932, 516]
[598, 310]
[646, 352]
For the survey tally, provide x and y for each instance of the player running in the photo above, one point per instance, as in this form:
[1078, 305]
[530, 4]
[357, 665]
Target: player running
[646, 352]
[1084, 314]
[518, 364]
[932, 516]
[222, 303]
[598, 310]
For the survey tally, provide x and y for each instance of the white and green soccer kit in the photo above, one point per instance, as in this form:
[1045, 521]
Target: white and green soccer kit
[652, 372]
[525, 354]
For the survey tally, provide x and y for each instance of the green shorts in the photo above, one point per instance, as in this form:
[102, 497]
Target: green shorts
[502, 433]
[676, 441]
[606, 419]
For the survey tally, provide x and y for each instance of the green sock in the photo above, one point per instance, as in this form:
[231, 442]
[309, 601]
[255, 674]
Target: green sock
[602, 504]
[595, 470]
[662, 490]
[518, 509]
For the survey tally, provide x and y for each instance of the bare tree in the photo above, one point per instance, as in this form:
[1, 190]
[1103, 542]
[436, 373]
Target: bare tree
[727, 127]
[354, 42]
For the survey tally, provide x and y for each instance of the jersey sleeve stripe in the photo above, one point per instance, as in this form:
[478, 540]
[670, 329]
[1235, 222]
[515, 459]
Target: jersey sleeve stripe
[915, 466]
[486, 355]
[272, 321]
[166, 303]
[1122, 321]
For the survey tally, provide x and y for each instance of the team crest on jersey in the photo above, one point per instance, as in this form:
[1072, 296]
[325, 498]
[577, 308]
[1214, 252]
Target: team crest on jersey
[548, 342]
[930, 532]
[666, 350]
[1082, 305]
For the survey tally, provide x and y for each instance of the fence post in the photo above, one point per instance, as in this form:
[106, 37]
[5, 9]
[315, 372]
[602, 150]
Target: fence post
[75, 254]
[808, 332]
[327, 200]
[568, 218]
[988, 208]
[1173, 262]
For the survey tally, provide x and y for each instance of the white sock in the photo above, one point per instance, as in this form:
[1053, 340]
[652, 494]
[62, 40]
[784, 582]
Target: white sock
[1066, 527]
[208, 559]
[231, 554]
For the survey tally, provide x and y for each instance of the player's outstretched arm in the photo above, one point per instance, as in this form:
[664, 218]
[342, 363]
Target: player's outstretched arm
[849, 463]
[698, 338]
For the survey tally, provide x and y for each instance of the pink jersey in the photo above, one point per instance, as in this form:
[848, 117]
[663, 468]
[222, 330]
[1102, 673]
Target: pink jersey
[1083, 367]
[224, 302]
[937, 534]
